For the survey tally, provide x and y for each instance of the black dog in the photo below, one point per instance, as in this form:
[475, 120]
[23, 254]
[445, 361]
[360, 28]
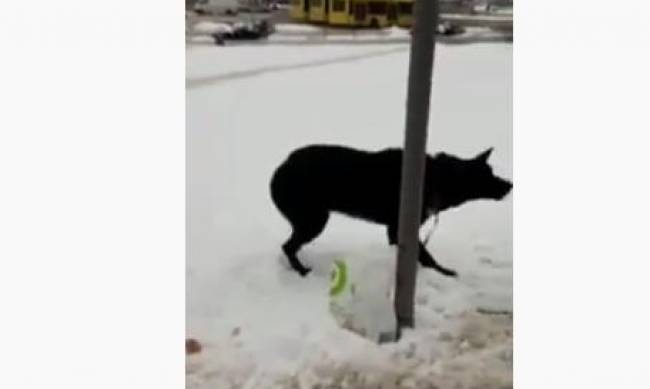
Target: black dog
[317, 179]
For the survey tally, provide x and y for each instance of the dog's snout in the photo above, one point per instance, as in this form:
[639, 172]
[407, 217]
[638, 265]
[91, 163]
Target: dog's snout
[501, 188]
[507, 187]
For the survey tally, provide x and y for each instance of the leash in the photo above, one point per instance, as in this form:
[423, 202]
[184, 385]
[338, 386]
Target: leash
[435, 225]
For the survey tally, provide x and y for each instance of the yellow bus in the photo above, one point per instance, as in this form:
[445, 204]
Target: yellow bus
[318, 10]
[299, 10]
[373, 13]
[340, 14]
[351, 13]
[405, 13]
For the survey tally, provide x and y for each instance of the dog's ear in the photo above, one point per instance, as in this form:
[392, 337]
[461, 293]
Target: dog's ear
[483, 156]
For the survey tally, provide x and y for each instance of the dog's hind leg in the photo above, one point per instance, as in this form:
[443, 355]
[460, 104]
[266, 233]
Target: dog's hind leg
[290, 249]
[427, 260]
[306, 228]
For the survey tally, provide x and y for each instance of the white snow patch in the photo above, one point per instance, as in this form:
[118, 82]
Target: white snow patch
[201, 39]
[300, 29]
[207, 27]
[307, 33]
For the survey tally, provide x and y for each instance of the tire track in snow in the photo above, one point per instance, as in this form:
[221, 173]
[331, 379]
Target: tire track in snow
[219, 78]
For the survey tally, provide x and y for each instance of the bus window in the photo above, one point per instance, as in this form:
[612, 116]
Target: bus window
[405, 8]
[377, 7]
[360, 12]
[338, 5]
[391, 14]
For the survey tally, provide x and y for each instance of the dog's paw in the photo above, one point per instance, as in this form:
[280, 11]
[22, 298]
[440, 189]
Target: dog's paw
[449, 273]
[442, 270]
[304, 271]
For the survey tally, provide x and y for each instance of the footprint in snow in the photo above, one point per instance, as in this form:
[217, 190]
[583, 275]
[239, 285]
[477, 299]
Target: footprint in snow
[487, 261]
[483, 248]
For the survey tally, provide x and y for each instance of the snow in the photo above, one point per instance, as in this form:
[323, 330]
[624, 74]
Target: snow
[206, 27]
[324, 35]
[263, 326]
[306, 29]
[286, 28]
[201, 39]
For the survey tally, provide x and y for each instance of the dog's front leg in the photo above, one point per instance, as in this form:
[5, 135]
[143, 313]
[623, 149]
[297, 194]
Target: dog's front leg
[427, 260]
[424, 257]
[392, 234]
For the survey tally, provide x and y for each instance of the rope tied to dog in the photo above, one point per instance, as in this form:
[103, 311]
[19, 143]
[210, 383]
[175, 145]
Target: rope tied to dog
[436, 219]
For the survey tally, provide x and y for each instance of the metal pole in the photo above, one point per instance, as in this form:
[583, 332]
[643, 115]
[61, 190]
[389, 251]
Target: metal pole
[413, 160]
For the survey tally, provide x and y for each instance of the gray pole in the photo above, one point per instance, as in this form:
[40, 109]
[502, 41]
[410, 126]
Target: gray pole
[413, 160]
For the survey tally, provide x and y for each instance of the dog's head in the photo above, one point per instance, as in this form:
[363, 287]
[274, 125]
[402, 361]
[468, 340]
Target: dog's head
[452, 181]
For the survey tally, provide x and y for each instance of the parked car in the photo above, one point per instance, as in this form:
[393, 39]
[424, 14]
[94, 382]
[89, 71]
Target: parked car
[244, 31]
[447, 28]
[217, 7]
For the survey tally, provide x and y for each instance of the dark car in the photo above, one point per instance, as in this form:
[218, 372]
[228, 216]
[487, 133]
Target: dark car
[245, 31]
[447, 28]
[251, 30]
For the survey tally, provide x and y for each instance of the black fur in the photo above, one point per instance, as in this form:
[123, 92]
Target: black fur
[318, 179]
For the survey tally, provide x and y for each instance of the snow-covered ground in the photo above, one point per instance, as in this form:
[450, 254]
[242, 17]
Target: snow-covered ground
[263, 326]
